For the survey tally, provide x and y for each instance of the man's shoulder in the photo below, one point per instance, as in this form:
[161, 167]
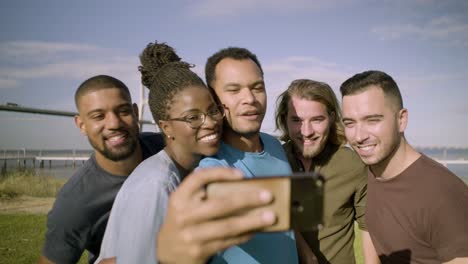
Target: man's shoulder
[271, 144]
[78, 181]
[151, 143]
[86, 183]
[345, 160]
[345, 153]
[69, 206]
[434, 174]
[217, 160]
[267, 138]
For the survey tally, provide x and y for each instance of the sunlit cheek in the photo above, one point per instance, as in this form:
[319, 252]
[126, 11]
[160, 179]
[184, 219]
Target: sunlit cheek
[349, 134]
[322, 128]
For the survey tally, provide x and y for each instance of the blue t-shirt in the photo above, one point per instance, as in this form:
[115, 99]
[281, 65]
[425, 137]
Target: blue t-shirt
[277, 247]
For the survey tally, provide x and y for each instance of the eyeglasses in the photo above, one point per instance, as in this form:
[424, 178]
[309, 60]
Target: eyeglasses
[196, 119]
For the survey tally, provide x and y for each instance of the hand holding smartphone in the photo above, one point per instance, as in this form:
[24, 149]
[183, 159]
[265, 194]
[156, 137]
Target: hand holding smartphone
[298, 198]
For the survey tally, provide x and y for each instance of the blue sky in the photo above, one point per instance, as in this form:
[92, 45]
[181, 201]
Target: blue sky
[47, 48]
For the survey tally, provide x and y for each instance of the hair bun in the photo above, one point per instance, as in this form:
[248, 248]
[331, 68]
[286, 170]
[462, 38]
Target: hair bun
[153, 58]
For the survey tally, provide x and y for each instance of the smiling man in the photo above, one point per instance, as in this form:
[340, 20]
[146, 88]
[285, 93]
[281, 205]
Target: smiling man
[107, 117]
[309, 118]
[417, 210]
[236, 77]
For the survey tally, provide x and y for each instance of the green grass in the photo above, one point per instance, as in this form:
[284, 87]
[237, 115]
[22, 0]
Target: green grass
[358, 246]
[24, 182]
[22, 236]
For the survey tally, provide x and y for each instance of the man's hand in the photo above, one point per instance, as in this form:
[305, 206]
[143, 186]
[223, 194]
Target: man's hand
[45, 260]
[370, 255]
[196, 227]
[108, 261]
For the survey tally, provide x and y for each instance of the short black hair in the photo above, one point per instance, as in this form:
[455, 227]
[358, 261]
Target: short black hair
[230, 52]
[99, 82]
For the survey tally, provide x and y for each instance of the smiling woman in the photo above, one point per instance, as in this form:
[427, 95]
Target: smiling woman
[191, 121]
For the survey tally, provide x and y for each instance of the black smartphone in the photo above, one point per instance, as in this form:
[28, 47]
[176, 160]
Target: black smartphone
[298, 198]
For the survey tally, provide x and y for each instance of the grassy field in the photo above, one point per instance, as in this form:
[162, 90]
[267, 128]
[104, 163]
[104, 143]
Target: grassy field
[23, 235]
[24, 182]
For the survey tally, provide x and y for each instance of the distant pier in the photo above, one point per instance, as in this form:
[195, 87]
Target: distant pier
[450, 162]
[22, 160]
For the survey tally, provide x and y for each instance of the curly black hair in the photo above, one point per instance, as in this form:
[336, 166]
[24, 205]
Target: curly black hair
[165, 74]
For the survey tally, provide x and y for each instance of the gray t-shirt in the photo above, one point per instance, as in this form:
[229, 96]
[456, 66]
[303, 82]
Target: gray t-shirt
[79, 216]
[139, 210]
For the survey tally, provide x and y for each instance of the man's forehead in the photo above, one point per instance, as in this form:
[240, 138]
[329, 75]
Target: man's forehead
[229, 67]
[104, 96]
[304, 106]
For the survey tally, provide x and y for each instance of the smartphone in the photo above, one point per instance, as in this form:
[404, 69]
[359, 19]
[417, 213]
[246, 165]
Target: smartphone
[298, 198]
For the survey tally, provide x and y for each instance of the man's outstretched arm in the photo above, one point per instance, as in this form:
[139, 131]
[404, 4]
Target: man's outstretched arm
[196, 227]
[368, 249]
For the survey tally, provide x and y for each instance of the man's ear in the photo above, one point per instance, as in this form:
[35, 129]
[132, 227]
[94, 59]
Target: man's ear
[332, 117]
[135, 111]
[80, 124]
[402, 119]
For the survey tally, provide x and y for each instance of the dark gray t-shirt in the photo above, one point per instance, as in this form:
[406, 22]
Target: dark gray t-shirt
[79, 216]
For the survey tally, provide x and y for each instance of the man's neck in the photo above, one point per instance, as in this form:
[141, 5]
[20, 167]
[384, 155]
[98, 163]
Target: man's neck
[243, 142]
[305, 162]
[121, 167]
[401, 158]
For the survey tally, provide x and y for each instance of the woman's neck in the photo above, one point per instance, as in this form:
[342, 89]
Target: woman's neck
[184, 161]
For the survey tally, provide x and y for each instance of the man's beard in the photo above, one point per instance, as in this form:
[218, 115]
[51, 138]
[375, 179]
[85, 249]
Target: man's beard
[121, 153]
[310, 152]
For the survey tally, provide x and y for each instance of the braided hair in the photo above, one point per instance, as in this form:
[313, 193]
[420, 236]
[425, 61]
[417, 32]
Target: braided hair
[164, 74]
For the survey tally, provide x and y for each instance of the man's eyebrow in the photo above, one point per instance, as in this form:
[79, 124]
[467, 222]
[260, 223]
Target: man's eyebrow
[318, 117]
[262, 82]
[373, 116]
[99, 110]
[232, 84]
[237, 85]
[364, 118]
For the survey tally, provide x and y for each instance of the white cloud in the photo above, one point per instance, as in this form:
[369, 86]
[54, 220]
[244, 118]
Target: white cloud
[42, 49]
[62, 61]
[288, 69]
[215, 8]
[450, 29]
[74, 69]
[6, 83]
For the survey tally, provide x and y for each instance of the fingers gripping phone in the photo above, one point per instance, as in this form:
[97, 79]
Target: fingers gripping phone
[298, 198]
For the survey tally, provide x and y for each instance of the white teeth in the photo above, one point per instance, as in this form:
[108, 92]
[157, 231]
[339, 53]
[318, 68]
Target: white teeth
[365, 148]
[115, 138]
[209, 138]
